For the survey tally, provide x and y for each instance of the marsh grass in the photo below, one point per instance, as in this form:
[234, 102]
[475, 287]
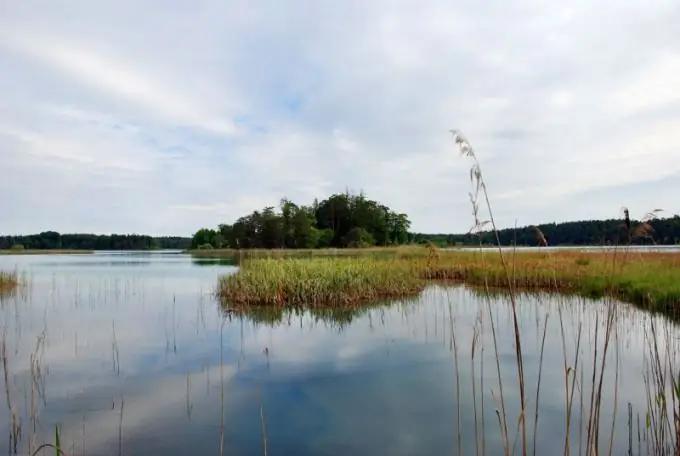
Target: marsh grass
[8, 281]
[648, 280]
[651, 281]
[318, 282]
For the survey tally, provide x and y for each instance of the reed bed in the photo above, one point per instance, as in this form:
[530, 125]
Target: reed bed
[650, 280]
[318, 282]
[8, 281]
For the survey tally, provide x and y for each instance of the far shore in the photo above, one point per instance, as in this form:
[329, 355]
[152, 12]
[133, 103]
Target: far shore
[45, 252]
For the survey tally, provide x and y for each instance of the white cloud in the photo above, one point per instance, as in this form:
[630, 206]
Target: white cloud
[197, 115]
[116, 77]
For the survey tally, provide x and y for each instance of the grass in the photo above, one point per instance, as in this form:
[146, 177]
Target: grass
[650, 280]
[45, 252]
[8, 281]
[319, 282]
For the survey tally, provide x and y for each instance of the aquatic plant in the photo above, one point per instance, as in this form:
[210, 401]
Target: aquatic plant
[318, 282]
[649, 279]
[8, 281]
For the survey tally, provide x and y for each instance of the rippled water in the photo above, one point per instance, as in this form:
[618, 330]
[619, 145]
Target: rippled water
[138, 358]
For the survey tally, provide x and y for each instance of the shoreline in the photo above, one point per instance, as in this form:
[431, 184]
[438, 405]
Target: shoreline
[649, 280]
[46, 252]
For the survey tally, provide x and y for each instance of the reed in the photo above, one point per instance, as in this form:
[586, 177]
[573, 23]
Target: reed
[8, 281]
[318, 282]
[649, 280]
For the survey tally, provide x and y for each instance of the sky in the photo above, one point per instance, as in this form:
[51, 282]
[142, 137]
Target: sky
[162, 117]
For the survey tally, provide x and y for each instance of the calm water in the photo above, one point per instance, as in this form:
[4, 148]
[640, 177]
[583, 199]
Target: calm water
[138, 359]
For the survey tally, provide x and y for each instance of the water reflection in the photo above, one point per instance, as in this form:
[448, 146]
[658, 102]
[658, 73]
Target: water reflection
[332, 317]
[231, 261]
[143, 360]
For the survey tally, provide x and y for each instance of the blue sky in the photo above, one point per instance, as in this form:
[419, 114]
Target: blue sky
[164, 116]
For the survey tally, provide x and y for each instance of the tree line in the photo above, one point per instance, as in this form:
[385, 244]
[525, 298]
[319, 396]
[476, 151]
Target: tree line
[52, 240]
[662, 231]
[341, 220]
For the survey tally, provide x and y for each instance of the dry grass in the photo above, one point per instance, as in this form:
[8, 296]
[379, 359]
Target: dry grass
[8, 281]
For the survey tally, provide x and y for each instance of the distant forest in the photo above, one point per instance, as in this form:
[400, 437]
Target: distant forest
[51, 240]
[345, 220]
[349, 220]
[341, 220]
[662, 231]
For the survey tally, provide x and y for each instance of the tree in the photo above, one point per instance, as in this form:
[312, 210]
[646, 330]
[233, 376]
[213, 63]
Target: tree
[305, 234]
[202, 237]
[83, 241]
[339, 220]
[357, 238]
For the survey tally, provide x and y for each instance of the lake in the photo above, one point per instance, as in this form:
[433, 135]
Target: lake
[131, 354]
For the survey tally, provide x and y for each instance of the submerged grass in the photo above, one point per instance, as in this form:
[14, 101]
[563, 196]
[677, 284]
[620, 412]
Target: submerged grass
[319, 282]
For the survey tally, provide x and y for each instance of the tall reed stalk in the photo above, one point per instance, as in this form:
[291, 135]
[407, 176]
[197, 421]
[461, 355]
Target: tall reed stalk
[477, 179]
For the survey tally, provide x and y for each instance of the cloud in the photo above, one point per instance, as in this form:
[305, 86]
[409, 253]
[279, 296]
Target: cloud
[163, 118]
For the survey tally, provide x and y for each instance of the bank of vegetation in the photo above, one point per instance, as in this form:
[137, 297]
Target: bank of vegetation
[319, 282]
[284, 278]
[63, 243]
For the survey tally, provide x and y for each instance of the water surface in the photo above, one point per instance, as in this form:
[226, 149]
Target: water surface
[137, 357]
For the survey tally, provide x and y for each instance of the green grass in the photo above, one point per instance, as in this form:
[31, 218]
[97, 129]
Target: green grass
[45, 252]
[318, 282]
[649, 280]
